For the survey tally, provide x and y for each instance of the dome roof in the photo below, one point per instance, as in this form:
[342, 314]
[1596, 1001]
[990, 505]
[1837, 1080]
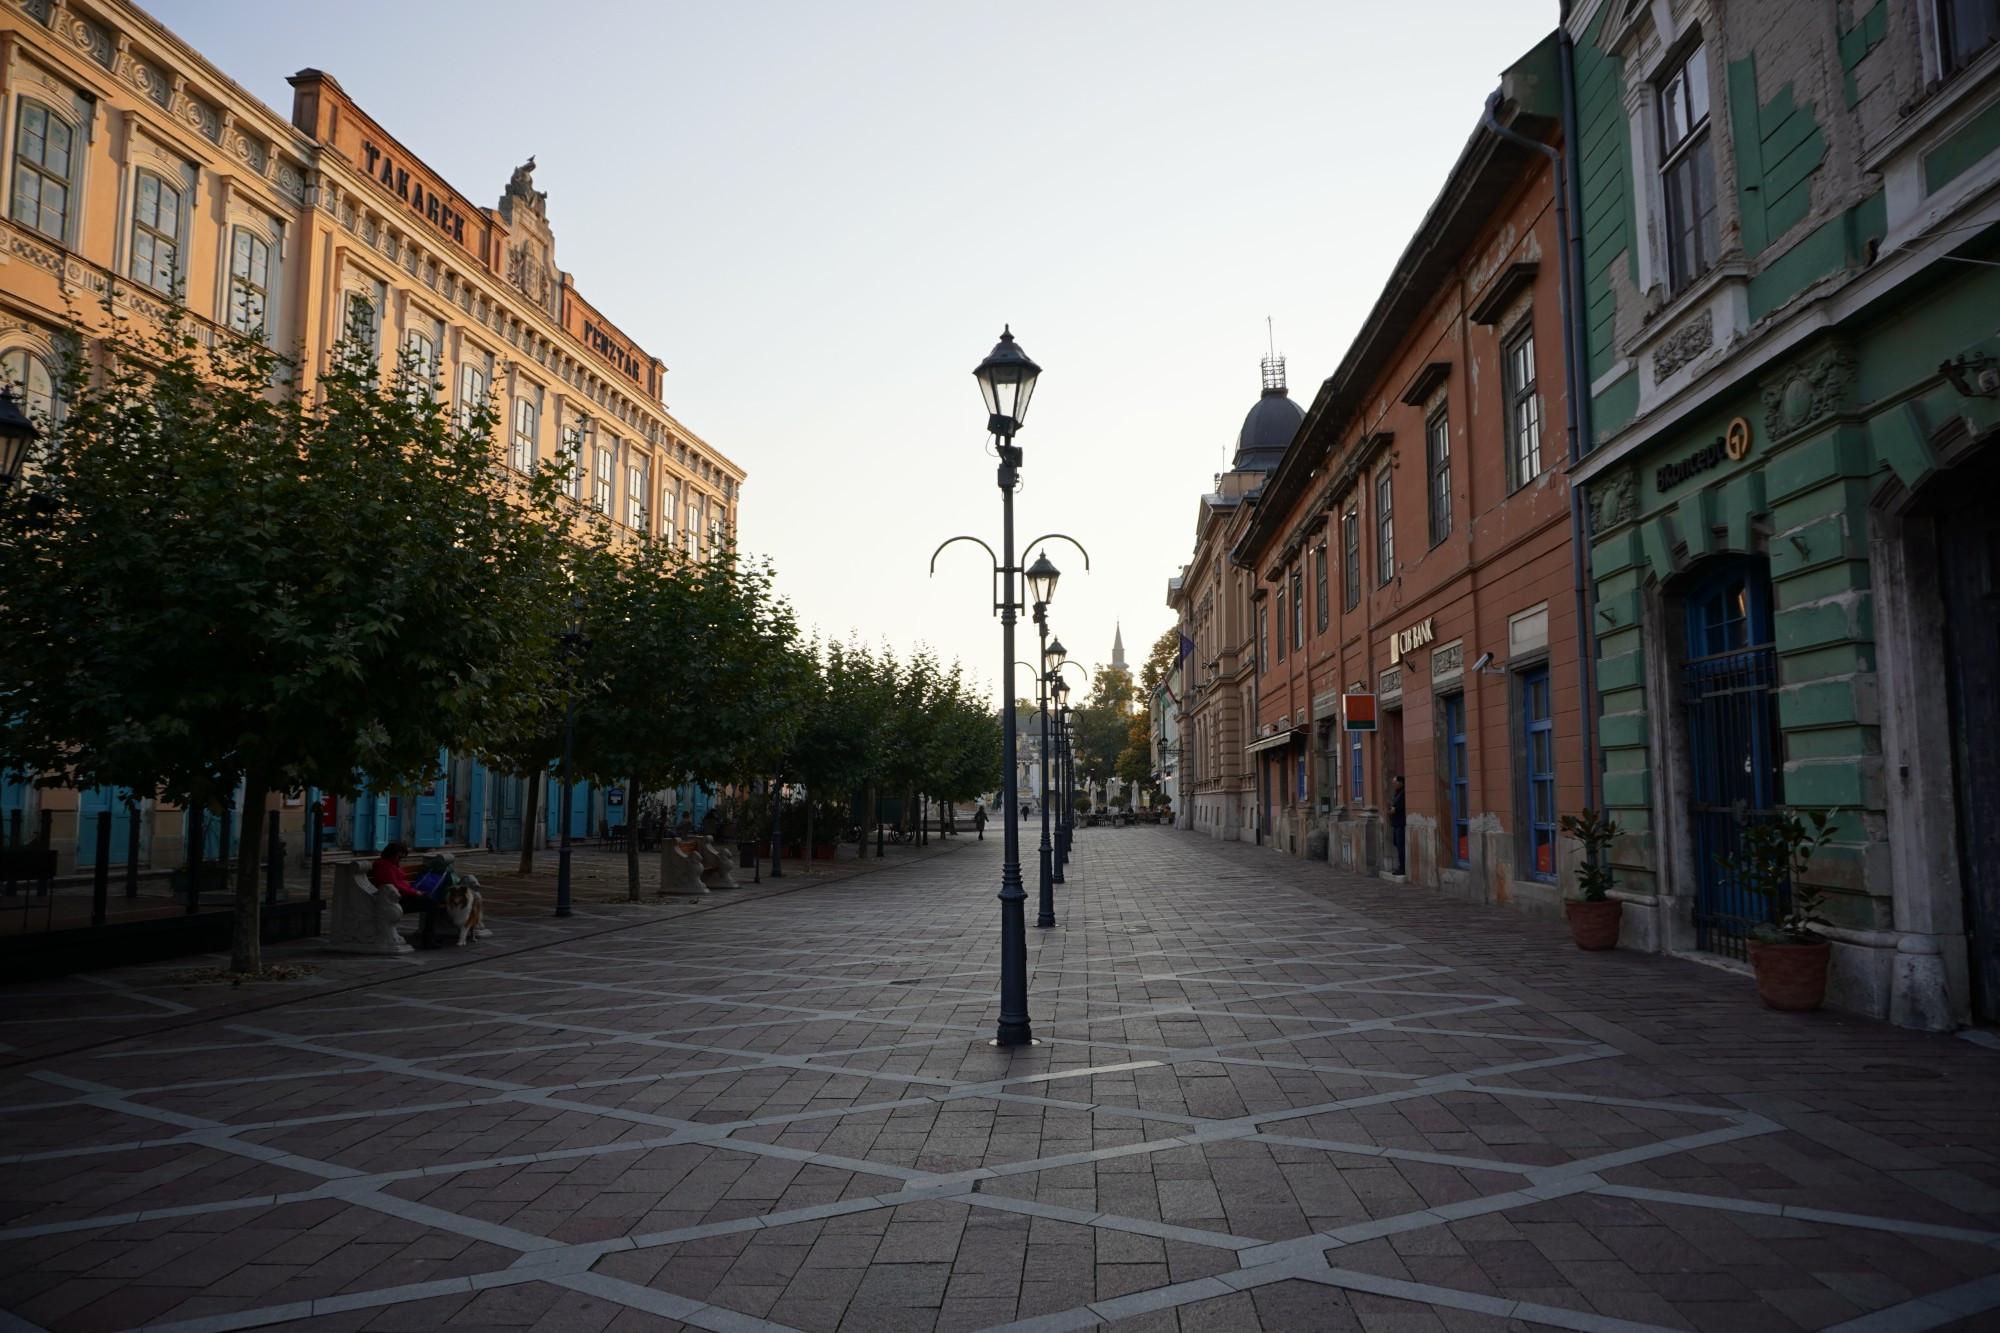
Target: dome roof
[1268, 429]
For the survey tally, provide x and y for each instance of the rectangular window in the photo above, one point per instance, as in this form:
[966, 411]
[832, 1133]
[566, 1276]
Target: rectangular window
[1437, 459]
[43, 143]
[601, 480]
[249, 280]
[1281, 621]
[670, 500]
[1540, 760]
[420, 363]
[156, 233]
[1524, 409]
[1687, 170]
[1456, 782]
[473, 381]
[1298, 608]
[1319, 583]
[636, 491]
[1385, 524]
[571, 457]
[1350, 556]
[527, 426]
[694, 506]
[1965, 28]
[1356, 792]
[1263, 638]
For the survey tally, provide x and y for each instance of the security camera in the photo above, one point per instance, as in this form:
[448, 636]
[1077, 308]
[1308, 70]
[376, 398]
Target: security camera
[1485, 660]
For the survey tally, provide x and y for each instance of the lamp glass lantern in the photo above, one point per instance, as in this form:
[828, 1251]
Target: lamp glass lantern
[1042, 576]
[1055, 656]
[1007, 381]
[17, 432]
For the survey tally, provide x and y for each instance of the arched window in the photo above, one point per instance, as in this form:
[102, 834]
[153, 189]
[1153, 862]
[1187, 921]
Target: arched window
[156, 233]
[44, 145]
[29, 377]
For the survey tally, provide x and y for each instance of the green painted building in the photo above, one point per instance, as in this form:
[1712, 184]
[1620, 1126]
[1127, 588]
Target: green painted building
[1789, 305]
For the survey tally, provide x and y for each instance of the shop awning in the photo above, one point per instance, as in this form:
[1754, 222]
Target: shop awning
[1272, 741]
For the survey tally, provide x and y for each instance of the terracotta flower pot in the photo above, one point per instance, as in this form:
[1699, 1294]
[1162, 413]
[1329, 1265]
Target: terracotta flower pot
[1594, 925]
[824, 851]
[1791, 977]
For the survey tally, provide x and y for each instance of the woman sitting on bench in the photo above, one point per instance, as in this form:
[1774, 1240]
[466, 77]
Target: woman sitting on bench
[388, 872]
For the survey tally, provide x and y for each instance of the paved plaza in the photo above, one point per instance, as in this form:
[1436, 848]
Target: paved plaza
[1267, 1096]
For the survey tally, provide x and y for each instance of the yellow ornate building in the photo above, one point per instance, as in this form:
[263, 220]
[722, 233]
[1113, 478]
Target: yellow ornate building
[137, 172]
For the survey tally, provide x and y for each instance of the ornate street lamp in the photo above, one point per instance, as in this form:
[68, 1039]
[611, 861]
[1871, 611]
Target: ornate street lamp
[17, 432]
[1007, 383]
[1042, 576]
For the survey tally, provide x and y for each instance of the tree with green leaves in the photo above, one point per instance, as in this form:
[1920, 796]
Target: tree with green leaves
[217, 581]
[693, 673]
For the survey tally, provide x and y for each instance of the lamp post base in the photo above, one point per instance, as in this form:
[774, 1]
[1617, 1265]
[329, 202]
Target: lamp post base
[1018, 1039]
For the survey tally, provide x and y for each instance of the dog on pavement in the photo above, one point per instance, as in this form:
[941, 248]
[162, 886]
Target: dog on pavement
[466, 908]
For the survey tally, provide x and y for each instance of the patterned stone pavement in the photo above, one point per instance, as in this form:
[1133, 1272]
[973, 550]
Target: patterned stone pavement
[1269, 1096]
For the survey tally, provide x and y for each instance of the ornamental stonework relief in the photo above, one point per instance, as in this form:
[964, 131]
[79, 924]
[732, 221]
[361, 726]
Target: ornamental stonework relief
[1807, 393]
[1684, 344]
[1612, 501]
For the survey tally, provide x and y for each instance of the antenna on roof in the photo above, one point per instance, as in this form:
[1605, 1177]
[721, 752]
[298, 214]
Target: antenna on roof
[1274, 365]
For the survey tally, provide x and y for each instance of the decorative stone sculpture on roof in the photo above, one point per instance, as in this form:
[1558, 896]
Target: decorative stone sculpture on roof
[521, 186]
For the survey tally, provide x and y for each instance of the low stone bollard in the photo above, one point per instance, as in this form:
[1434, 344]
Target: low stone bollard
[363, 917]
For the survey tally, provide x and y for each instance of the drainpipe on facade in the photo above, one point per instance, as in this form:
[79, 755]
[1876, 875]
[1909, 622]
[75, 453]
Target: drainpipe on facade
[1575, 391]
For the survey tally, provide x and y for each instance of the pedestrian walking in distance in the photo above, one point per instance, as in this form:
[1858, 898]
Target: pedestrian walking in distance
[979, 822]
[1396, 821]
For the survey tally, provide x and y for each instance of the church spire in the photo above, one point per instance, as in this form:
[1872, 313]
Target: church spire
[1118, 646]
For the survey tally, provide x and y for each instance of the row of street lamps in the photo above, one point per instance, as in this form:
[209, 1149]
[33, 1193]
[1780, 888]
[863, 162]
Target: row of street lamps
[1007, 381]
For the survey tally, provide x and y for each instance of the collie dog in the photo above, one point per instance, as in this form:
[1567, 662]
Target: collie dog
[466, 908]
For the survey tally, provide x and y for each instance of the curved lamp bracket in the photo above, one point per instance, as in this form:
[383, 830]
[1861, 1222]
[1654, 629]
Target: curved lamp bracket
[1059, 537]
[994, 559]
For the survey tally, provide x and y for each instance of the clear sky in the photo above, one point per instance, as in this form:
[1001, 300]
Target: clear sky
[819, 215]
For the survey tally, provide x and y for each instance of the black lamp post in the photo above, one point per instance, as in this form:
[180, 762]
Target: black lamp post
[575, 643]
[1042, 576]
[17, 432]
[1007, 381]
[1053, 654]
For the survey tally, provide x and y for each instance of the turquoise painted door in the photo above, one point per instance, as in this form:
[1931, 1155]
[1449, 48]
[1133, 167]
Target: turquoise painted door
[579, 811]
[473, 818]
[90, 804]
[614, 807]
[375, 818]
[430, 806]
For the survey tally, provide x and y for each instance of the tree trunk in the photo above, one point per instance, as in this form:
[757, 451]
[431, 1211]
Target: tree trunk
[868, 816]
[246, 953]
[530, 814]
[809, 832]
[633, 791]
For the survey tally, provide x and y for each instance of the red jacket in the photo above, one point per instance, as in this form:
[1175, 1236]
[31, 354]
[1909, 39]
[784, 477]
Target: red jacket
[387, 871]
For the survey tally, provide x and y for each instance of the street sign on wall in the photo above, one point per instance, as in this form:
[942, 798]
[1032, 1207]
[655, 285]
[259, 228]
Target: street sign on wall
[1357, 712]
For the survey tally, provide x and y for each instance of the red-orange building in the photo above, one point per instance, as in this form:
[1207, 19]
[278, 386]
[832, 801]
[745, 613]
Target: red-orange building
[1412, 554]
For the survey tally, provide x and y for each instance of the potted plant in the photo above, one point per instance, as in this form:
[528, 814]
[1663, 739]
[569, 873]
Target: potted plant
[1593, 914]
[1787, 952]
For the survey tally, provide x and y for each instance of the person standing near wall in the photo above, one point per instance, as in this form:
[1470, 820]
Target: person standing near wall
[1397, 823]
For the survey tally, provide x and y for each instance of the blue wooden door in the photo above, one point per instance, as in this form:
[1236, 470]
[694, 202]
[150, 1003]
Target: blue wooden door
[430, 805]
[1457, 783]
[579, 811]
[1729, 691]
[509, 795]
[92, 803]
[376, 816]
[1539, 725]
